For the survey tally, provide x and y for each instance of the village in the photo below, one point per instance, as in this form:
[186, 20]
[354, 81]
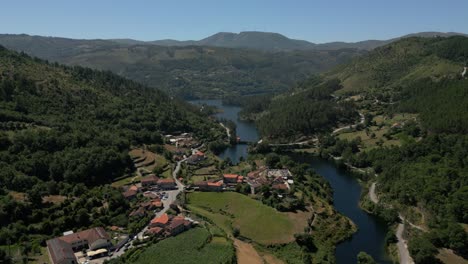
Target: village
[155, 193]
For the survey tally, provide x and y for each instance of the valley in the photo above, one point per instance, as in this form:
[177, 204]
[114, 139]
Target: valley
[245, 147]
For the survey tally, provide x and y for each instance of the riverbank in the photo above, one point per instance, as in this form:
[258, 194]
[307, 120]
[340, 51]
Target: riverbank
[371, 232]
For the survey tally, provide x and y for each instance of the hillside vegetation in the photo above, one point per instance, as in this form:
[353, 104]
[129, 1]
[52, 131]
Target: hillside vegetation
[67, 131]
[188, 71]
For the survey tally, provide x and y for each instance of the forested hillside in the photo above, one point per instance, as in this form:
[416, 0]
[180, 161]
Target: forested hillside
[415, 104]
[66, 131]
[388, 69]
[189, 71]
[305, 113]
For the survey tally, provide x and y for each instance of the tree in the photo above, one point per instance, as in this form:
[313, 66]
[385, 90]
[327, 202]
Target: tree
[272, 160]
[422, 250]
[364, 258]
[4, 258]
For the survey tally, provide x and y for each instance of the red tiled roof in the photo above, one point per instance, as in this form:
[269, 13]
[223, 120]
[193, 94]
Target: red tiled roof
[157, 204]
[231, 176]
[155, 230]
[91, 235]
[133, 188]
[199, 153]
[216, 184]
[163, 219]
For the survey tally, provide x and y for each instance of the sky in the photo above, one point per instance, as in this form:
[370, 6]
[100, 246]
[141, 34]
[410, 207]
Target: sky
[317, 21]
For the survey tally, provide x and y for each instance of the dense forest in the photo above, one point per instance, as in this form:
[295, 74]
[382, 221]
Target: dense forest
[306, 112]
[67, 131]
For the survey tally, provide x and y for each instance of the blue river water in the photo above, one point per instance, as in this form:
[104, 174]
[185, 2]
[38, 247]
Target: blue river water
[371, 233]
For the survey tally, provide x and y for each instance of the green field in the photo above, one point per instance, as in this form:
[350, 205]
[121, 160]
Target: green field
[193, 246]
[255, 220]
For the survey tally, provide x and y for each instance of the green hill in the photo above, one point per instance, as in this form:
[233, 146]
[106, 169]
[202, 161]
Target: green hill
[409, 75]
[188, 71]
[415, 104]
[76, 124]
[398, 64]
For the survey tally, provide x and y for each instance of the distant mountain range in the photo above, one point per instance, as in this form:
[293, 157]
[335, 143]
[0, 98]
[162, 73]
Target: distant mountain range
[276, 42]
[221, 65]
[186, 71]
[265, 41]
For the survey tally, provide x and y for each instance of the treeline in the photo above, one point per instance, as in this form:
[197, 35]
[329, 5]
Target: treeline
[306, 112]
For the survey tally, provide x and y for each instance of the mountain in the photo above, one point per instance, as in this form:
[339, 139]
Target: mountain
[188, 71]
[255, 40]
[267, 41]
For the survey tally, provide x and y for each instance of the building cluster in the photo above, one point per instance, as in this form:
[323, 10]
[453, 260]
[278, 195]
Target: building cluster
[168, 225]
[70, 248]
[149, 182]
[280, 180]
[184, 140]
[196, 157]
[228, 180]
[277, 179]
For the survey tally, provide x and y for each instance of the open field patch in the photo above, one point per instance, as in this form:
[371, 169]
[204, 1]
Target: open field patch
[254, 220]
[194, 246]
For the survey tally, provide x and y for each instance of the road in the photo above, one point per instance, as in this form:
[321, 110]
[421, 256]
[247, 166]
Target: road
[403, 251]
[172, 197]
[228, 132]
[402, 244]
[372, 194]
[294, 143]
[363, 119]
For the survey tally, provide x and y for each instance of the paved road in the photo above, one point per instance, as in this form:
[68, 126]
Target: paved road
[172, 197]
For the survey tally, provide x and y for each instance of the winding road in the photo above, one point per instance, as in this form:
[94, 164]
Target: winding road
[402, 244]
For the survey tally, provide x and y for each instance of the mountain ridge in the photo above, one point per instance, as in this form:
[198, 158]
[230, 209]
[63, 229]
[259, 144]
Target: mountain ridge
[265, 41]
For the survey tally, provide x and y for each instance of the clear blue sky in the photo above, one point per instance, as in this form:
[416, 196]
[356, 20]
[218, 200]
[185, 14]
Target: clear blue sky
[313, 20]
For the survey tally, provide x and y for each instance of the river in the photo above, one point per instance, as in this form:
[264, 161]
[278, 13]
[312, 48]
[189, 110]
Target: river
[245, 130]
[371, 233]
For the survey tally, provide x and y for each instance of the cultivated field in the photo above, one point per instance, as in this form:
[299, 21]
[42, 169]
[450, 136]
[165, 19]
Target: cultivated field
[194, 246]
[254, 220]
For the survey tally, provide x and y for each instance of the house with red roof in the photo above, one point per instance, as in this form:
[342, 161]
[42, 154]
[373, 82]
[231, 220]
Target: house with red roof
[130, 194]
[232, 178]
[210, 186]
[61, 249]
[161, 221]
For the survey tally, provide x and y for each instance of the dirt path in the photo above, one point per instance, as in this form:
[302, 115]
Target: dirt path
[403, 251]
[246, 253]
[372, 195]
[402, 245]
[363, 119]
[228, 132]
